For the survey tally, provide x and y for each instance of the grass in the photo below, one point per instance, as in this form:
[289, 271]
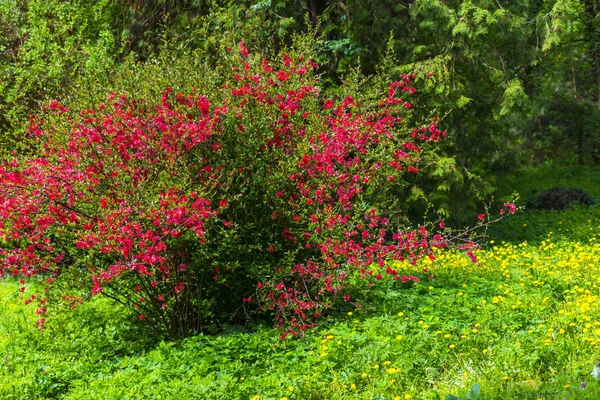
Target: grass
[524, 322]
[533, 225]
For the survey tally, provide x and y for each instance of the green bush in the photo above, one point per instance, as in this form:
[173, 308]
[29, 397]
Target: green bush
[559, 198]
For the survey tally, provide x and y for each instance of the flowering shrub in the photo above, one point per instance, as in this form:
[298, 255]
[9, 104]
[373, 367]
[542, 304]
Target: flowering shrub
[213, 204]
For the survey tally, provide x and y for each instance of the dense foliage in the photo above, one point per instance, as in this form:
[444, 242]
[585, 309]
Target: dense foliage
[514, 83]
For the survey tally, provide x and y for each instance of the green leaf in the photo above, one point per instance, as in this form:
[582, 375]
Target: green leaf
[463, 101]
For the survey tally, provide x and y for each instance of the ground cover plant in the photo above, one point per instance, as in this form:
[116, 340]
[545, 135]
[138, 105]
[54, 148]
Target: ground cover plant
[522, 322]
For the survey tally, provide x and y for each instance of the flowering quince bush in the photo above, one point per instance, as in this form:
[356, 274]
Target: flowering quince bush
[247, 197]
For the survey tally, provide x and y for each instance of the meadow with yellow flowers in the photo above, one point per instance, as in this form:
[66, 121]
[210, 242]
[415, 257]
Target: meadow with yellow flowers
[522, 322]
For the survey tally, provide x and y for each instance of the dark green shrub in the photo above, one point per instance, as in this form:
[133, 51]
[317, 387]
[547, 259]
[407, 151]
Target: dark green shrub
[559, 198]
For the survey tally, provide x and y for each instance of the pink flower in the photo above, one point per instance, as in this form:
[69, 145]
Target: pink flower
[511, 207]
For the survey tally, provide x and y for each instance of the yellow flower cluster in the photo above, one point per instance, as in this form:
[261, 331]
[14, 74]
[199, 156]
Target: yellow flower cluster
[517, 299]
[557, 281]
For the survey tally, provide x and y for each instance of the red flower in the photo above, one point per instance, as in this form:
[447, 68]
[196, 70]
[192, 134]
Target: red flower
[243, 49]
[511, 207]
